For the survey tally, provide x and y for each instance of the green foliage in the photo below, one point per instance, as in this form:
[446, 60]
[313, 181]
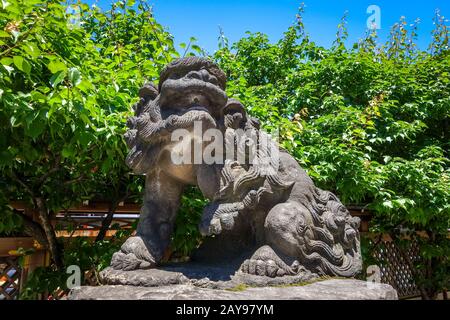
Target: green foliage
[10, 223]
[66, 94]
[42, 280]
[186, 236]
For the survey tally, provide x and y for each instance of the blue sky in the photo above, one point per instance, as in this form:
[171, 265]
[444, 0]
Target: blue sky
[201, 18]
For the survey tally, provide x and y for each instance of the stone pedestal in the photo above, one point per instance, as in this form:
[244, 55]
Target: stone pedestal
[156, 284]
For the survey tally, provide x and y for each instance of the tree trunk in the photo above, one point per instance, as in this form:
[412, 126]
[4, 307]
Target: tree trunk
[33, 229]
[53, 245]
[106, 222]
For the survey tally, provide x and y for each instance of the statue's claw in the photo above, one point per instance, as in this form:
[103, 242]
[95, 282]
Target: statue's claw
[127, 262]
[133, 255]
[265, 262]
[219, 222]
[266, 268]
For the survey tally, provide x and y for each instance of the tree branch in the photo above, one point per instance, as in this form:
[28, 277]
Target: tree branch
[68, 182]
[54, 169]
[23, 184]
[32, 228]
[50, 233]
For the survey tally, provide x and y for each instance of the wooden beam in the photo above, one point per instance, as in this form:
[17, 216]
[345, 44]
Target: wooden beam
[92, 207]
[83, 233]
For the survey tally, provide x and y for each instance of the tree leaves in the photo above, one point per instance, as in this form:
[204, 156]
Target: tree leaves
[22, 64]
[56, 65]
[35, 128]
[74, 76]
[57, 78]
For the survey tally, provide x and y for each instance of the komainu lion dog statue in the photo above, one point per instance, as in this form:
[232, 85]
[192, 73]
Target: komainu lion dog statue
[267, 208]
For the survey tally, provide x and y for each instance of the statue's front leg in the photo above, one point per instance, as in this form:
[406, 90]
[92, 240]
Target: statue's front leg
[280, 227]
[161, 203]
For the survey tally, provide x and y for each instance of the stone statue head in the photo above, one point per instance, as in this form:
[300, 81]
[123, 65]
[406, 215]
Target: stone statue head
[190, 89]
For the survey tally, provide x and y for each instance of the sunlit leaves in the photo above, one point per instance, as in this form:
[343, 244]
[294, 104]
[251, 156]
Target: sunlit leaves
[22, 64]
[74, 76]
[57, 78]
[56, 65]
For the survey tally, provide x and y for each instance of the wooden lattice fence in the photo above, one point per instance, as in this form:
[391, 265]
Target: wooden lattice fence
[10, 278]
[13, 274]
[395, 269]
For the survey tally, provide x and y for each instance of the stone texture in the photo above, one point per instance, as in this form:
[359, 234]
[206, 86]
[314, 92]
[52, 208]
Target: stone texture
[333, 289]
[144, 278]
[205, 276]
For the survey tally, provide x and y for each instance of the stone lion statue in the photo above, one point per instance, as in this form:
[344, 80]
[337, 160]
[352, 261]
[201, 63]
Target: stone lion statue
[266, 212]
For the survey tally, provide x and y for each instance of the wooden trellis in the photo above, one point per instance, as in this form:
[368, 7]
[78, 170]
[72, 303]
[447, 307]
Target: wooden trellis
[10, 274]
[86, 220]
[395, 269]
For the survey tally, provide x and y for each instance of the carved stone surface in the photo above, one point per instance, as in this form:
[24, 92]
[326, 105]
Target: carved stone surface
[199, 275]
[144, 278]
[334, 289]
[265, 215]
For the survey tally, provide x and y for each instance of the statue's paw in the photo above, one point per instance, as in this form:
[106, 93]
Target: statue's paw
[128, 262]
[265, 262]
[260, 267]
[210, 228]
[217, 224]
[266, 268]
[133, 255]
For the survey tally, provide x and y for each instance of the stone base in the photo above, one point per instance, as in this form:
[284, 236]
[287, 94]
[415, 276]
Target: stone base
[332, 289]
[193, 281]
[204, 276]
